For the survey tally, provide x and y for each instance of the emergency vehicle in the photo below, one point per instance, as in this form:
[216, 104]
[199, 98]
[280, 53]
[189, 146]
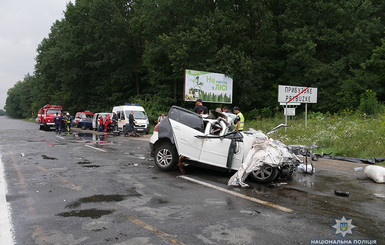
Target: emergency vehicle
[142, 124]
[46, 114]
[83, 119]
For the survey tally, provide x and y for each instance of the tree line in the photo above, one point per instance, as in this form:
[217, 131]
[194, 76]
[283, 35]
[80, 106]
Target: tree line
[105, 53]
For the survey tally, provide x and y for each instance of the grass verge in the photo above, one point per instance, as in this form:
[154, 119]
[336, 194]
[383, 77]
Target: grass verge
[351, 136]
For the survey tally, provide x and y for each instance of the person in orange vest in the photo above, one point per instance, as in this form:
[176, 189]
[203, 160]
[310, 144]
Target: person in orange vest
[107, 121]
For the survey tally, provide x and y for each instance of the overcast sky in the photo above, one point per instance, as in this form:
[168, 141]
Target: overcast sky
[23, 25]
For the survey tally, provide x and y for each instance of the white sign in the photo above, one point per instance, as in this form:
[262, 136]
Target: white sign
[208, 86]
[291, 103]
[293, 94]
[289, 111]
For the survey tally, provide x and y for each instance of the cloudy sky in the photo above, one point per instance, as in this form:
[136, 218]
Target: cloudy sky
[23, 25]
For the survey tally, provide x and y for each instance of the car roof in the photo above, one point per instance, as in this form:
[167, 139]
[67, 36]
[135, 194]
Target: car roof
[182, 109]
[129, 107]
[85, 112]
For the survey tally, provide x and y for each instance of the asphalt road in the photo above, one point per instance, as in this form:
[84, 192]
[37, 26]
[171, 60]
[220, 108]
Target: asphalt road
[86, 188]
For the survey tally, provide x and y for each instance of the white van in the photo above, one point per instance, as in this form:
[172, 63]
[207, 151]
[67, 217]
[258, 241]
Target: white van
[123, 111]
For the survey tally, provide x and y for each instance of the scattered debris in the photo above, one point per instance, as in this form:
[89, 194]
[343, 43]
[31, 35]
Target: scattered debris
[372, 160]
[376, 173]
[276, 184]
[379, 195]
[250, 212]
[342, 193]
[302, 168]
[22, 154]
[358, 169]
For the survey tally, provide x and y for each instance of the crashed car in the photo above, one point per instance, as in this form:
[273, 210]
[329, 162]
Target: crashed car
[211, 141]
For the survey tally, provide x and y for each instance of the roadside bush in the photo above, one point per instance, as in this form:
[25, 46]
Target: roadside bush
[266, 112]
[316, 115]
[253, 114]
[369, 103]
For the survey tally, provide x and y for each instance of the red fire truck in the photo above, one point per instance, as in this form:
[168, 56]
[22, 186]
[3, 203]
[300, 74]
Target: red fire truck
[46, 115]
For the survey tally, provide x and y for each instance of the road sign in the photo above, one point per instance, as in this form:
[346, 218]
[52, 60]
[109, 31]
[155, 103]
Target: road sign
[289, 111]
[293, 94]
[291, 103]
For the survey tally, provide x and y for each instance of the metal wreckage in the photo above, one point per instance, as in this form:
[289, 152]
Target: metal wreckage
[185, 137]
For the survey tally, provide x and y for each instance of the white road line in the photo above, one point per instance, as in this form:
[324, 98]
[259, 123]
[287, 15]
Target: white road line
[288, 210]
[6, 227]
[60, 137]
[96, 148]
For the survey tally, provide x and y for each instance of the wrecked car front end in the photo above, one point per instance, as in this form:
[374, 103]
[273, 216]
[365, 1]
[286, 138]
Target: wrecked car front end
[187, 137]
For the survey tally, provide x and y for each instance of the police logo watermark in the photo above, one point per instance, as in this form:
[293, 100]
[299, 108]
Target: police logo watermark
[343, 226]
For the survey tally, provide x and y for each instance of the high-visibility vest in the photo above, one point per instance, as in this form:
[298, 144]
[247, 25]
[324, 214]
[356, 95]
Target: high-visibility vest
[242, 120]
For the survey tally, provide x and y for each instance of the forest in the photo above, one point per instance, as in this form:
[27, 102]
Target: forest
[105, 53]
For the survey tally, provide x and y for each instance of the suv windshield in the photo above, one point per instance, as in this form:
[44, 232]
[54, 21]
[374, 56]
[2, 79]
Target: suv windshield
[138, 114]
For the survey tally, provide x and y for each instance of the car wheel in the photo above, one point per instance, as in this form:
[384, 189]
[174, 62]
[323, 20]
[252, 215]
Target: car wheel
[266, 174]
[41, 127]
[84, 127]
[166, 157]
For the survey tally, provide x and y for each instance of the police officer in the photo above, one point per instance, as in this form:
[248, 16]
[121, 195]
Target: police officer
[57, 120]
[239, 121]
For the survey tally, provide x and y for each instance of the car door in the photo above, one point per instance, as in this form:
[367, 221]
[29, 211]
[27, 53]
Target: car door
[186, 126]
[215, 150]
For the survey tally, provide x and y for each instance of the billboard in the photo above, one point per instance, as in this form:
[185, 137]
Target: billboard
[208, 86]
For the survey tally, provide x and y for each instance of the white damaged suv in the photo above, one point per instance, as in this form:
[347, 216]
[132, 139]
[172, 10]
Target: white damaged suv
[211, 141]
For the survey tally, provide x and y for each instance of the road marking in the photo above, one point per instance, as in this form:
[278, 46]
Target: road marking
[6, 227]
[163, 235]
[60, 137]
[96, 148]
[276, 206]
[28, 200]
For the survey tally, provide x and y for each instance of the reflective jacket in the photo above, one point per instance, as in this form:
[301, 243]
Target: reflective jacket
[242, 120]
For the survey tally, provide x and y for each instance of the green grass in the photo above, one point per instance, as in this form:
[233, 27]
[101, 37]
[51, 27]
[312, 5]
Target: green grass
[351, 136]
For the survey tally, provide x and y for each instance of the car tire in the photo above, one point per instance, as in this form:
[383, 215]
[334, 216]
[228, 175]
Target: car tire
[84, 127]
[41, 127]
[266, 174]
[166, 157]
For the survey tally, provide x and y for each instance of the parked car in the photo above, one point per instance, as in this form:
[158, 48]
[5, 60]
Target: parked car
[96, 119]
[83, 119]
[140, 116]
[211, 140]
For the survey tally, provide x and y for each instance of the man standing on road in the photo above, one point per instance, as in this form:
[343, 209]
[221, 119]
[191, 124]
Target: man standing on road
[107, 121]
[101, 124]
[57, 120]
[115, 124]
[68, 121]
[131, 125]
[239, 121]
